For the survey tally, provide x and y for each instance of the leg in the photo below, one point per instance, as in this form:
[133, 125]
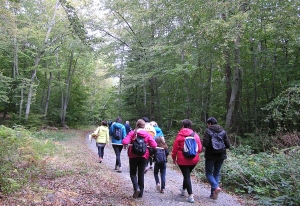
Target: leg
[141, 166]
[156, 169]
[150, 160]
[133, 171]
[217, 169]
[116, 150]
[186, 172]
[209, 170]
[163, 171]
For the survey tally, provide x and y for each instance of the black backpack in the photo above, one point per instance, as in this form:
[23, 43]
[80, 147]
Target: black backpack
[139, 145]
[117, 133]
[160, 156]
[217, 141]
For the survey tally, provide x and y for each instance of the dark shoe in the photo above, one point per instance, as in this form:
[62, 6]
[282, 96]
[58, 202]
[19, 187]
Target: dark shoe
[216, 193]
[162, 191]
[146, 170]
[136, 193]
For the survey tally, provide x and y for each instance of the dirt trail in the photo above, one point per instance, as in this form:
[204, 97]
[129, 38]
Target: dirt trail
[173, 181]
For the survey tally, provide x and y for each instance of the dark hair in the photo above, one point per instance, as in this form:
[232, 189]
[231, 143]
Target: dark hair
[211, 120]
[119, 119]
[186, 123]
[146, 119]
[104, 123]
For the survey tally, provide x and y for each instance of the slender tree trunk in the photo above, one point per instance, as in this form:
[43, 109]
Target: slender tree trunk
[37, 60]
[48, 96]
[234, 103]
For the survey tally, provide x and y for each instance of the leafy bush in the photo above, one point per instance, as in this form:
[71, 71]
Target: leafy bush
[22, 157]
[273, 177]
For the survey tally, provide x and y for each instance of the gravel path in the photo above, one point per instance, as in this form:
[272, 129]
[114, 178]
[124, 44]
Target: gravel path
[173, 181]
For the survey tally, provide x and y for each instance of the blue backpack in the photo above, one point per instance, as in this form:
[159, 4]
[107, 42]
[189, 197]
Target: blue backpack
[190, 148]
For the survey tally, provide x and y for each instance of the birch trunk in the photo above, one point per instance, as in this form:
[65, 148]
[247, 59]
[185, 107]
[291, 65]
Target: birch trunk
[37, 60]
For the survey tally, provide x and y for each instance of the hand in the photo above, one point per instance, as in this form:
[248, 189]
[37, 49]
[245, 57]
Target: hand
[174, 161]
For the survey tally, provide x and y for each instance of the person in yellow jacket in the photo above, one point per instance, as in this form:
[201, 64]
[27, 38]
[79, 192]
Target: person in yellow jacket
[101, 134]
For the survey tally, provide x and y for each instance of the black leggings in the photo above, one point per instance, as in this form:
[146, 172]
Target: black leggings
[136, 170]
[118, 150]
[186, 172]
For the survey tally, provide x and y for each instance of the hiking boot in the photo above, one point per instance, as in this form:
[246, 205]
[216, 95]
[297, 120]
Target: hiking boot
[116, 167]
[136, 193]
[119, 169]
[157, 186]
[216, 193]
[162, 191]
[190, 199]
[182, 191]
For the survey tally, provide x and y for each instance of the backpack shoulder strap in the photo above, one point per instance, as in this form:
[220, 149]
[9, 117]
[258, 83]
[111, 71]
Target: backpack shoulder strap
[191, 135]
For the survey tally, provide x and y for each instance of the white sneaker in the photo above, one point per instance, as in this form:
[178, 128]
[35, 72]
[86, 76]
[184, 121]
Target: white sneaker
[190, 199]
[182, 192]
[119, 169]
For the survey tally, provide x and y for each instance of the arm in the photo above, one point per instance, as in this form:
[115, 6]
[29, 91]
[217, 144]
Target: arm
[226, 141]
[206, 139]
[124, 133]
[151, 142]
[111, 130]
[199, 143]
[96, 131]
[167, 152]
[107, 136]
[175, 150]
[127, 139]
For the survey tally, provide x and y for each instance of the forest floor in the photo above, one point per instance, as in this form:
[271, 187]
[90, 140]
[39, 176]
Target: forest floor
[74, 177]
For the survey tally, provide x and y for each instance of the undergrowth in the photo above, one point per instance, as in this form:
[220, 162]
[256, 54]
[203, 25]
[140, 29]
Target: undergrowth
[271, 177]
[23, 155]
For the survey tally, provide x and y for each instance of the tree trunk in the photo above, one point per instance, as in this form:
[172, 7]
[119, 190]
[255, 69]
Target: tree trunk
[37, 60]
[48, 96]
[234, 103]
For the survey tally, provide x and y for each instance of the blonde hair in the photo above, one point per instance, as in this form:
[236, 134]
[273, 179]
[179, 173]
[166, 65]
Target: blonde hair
[153, 123]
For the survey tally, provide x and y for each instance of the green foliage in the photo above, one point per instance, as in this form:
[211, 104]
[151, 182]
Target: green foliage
[22, 157]
[273, 178]
[284, 109]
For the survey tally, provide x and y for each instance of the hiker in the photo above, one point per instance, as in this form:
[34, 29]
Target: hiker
[117, 132]
[137, 162]
[127, 127]
[160, 165]
[213, 159]
[151, 130]
[157, 130]
[186, 164]
[101, 134]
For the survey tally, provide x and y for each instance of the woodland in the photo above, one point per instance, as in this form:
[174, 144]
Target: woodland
[67, 64]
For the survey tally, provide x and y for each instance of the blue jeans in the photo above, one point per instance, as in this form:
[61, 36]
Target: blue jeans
[163, 170]
[212, 171]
